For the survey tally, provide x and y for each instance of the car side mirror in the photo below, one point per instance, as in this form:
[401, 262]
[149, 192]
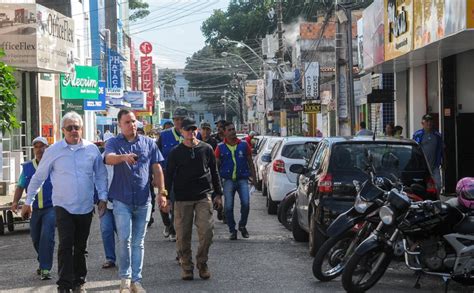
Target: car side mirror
[297, 168]
[266, 158]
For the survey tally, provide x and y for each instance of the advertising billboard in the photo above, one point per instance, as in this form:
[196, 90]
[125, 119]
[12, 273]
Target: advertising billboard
[137, 99]
[115, 73]
[373, 46]
[36, 38]
[398, 28]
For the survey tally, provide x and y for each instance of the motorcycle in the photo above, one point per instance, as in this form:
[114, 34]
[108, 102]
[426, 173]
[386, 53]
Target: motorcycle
[350, 228]
[435, 236]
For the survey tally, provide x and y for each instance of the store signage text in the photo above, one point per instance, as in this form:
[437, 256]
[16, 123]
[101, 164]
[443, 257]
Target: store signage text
[397, 21]
[59, 30]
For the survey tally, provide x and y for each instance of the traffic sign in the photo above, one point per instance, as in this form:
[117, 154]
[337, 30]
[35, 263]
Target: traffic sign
[146, 48]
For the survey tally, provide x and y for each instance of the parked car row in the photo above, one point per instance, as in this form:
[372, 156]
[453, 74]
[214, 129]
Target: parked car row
[313, 179]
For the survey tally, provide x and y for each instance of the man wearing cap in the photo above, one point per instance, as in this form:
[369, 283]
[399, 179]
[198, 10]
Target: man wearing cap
[206, 135]
[76, 167]
[170, 138]
[42, 222]
[192, 175]
[431, 142]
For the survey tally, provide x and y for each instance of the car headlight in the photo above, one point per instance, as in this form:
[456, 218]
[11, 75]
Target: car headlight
[361, 205]
[386, 215]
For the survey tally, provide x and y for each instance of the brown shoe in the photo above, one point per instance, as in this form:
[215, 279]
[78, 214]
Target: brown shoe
[187, 275]
[204, 271]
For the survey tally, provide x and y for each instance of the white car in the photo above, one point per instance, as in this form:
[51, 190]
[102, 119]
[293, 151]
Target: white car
[280, 180]
[263, 157]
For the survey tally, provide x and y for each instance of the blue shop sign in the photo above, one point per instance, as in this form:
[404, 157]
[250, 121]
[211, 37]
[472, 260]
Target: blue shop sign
[99, 104]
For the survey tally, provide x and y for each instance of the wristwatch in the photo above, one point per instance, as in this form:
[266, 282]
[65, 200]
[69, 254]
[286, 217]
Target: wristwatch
[164, 193]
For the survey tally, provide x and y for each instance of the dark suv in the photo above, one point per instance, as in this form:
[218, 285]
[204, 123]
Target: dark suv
[325, 186]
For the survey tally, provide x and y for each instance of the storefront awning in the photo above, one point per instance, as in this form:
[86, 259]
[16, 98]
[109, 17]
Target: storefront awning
[448, 46]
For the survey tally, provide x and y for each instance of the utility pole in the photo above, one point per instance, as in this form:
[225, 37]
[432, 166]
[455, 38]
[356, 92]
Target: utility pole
[280, 62]
[343, 80]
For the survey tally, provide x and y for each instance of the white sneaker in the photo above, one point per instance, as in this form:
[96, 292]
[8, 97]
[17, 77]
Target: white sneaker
[125, 286]
[137, 288]
[166, 231]
[173, 237]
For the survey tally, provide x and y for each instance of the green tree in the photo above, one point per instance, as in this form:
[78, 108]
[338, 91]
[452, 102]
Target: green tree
[168, 80]
[139, 9]
[7, 97]
[249, 21]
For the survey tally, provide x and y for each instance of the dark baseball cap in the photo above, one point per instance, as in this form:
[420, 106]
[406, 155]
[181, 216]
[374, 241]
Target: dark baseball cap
[427, 117]
[189, 124]
[205, 125]
[221, 122]
[180, 113]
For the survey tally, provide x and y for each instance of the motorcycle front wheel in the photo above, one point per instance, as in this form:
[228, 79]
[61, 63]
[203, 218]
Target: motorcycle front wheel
[362, 272]
[333, 255]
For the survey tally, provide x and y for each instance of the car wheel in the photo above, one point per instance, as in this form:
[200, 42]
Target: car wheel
[264, 190]
[2, 226]
[10, 220]
[299, 234]
[272, 206]
[286, 210]
[316, 237]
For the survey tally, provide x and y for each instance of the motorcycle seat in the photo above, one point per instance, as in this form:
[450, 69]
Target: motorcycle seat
[466, 226]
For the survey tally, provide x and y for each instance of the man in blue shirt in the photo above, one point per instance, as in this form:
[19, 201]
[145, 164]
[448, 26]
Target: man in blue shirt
[75, 166]
[431, 142]
[42, 220]
[132, 156]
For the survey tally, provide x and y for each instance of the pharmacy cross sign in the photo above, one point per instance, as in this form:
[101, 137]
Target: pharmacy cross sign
[146, 48]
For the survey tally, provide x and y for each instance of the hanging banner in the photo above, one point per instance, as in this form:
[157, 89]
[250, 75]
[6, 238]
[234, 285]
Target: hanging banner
[82, 83]
[311, 80]
[115, 70]
[99, 104]
[146, 63]
[73, 105]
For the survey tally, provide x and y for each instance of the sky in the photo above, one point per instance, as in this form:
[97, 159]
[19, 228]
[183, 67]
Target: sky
[174, 29]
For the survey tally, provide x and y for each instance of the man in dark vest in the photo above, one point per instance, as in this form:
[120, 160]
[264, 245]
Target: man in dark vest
[42, 222]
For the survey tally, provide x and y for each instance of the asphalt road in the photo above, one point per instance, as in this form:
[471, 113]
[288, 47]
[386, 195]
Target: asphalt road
[269, 261]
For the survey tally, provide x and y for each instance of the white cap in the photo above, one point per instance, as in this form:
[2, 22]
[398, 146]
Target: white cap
[40, 139]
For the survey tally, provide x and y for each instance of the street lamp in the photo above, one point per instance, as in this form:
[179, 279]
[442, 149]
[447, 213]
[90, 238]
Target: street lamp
[225, 41]
[226, 54]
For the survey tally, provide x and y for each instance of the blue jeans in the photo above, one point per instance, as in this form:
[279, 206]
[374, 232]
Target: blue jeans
[108, 229]
[42, 229]
[131, 223]
[242, 187]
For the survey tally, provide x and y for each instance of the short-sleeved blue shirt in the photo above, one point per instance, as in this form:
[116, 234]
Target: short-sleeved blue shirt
[131, 183]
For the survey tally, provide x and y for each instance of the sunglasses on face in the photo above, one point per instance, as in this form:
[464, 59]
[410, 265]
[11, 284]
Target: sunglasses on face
[71, 127]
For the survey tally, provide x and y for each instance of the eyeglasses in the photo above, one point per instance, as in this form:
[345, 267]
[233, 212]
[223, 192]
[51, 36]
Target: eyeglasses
[71, 127]
[193, 155]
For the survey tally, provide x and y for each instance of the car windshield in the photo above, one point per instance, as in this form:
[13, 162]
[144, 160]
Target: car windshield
[387, 158]
[294, 151]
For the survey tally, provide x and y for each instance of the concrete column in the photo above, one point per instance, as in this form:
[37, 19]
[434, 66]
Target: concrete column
[401, 100]
[416, 98]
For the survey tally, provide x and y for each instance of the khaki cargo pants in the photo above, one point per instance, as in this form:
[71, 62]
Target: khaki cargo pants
[184, 213]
